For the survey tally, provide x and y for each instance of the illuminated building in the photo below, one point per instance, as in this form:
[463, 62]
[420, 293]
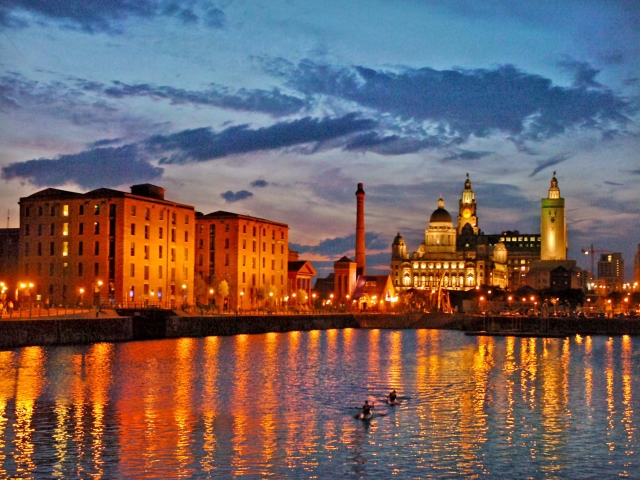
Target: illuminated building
[9, 248]
[300, 274]
[107, 245]
[546, 272]
[249, 253]
[454, 258]
[611, 270]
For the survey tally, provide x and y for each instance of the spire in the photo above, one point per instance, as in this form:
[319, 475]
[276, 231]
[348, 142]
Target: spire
[441, 202]
[361, 259]
[554, 191]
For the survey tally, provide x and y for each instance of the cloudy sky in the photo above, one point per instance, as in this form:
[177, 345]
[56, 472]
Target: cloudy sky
[278, 108]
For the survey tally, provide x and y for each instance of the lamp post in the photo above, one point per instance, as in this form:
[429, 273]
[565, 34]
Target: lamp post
[184, 295]
[211, 296]
[242, 300]
[81, 295]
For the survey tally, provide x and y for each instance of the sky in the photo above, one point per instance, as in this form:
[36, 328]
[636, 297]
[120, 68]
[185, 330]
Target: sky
[278, 108]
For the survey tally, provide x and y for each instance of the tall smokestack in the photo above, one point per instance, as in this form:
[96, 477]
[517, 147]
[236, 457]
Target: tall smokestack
[361, 258]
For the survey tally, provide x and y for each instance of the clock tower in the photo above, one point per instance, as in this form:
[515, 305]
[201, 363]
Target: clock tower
[467, 215]
[553, 225]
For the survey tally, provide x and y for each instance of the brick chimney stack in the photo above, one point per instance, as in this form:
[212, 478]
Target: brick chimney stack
[361, 258]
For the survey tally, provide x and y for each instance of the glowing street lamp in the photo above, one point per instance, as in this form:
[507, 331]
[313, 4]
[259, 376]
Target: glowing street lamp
[81, 295]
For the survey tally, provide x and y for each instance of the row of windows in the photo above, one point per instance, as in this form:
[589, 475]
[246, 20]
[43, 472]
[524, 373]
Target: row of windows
[96, 250]
[65, 269]
[227, 228]
[244, 245]
[244, 261]
[431, 265]
[146, 269]
[53, 209]
[520, 239]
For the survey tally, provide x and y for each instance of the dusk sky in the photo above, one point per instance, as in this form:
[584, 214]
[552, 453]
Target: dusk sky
[277, 109]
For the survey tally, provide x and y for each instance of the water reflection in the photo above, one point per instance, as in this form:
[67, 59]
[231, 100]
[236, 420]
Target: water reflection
[283, 405]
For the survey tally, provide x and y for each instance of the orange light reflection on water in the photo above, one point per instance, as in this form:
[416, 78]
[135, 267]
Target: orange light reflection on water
[210, 403]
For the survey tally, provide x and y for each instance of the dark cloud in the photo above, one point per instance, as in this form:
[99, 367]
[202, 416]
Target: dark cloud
[584, 74]
[392, 144]
[268, 101]
[613, 184]
[104, 142]
[259, 183]
[339, 246]
[100, 16]
[231, 197]
[203, 144]
[466, 155]
[556, 159]
[465, 102]
[100, 167]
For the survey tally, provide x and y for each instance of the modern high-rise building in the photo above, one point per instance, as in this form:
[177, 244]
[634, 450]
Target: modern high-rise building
[611, 270]
[249, 253]
[106, 246]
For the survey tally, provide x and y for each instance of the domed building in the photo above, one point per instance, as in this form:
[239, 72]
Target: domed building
[439, 261]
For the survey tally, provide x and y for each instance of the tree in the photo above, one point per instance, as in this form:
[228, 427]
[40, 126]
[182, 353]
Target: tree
[302, 297]
[223, 290]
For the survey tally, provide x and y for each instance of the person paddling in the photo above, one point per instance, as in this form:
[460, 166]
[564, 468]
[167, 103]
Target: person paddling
[392, 397]
[366, 408]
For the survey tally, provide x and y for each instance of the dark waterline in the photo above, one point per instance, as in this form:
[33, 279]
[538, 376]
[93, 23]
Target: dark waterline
[283, 405]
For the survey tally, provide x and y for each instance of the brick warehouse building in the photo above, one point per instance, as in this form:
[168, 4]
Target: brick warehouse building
[249, 253]
[106, 245]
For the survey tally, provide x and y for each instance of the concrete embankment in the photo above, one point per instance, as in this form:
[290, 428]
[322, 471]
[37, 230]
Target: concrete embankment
[150, 325]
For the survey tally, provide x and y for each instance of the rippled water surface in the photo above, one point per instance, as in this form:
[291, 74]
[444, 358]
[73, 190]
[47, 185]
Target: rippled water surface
[283, 405]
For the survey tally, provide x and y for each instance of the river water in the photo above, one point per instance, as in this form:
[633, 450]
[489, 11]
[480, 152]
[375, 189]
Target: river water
[283, 405]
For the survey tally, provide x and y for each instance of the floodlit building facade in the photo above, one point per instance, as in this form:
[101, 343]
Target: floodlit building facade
[106, 246]
[249, 253]
[611, 270]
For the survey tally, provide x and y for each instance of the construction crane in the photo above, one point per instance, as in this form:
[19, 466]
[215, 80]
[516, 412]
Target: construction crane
[593, 252]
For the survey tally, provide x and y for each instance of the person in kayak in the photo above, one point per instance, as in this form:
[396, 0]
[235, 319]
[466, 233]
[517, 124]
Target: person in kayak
[392, 397]
[366, 408]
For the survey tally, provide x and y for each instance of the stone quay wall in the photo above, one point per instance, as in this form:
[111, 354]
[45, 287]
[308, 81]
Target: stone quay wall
[136, 325]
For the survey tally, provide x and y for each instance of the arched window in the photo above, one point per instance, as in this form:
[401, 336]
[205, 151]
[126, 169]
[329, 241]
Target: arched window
[407, 280]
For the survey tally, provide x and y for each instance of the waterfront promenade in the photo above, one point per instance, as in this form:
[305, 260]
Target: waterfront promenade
[71, 326]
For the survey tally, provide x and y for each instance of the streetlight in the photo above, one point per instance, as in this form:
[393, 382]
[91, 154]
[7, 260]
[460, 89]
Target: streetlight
[242, 300]
[81, 295]
[184, 294]
[210, 296]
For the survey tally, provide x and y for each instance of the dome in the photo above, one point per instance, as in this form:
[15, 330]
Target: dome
[398, 240]
[440, 215]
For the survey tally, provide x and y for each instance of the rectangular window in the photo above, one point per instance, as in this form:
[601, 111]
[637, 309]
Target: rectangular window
[273, 234]
[133, 212]
[201, 243]
[96, 269]
[52, 248]
[244, 244]
[81, 210]
[53, 210]
[133, 249]
[173, 218]
[146, 232]
[132, 270]
[186, 254]
[81, 229]
[185, 273]
[227, 227]
[96, 228]
[39, 211]
[226, 259]
[26, 249]
[186, 219]
[27, 212]
[65, 229]
[65, 249]
[186, 236]
[173, 234]
[173, 254]
[244, 229]
[80, 272]
[52, 269]
[264, 247]
[161, 214]
[254, 245]
[40, 230]
[96, 248]
[146, 272]
[244, 260]
[39, 270]
[146, 252]
[226, 243]
[65, 210]
[273, 264]
[96, 209]
[160, 272]
[133, 229]
[244, 280]
[160, 251]
[53, 229]
[254, 231]
[80, 248]
[173, 273]
[264, 262]
[27, 230]
[253, 279]
[39, 249]
[160, 233]
[253, 262]
[172, 290]
[282, 249]
[273, 249]
[201, 228]
[200, 259]
[147, 213]
[212, 229]
[145, 289]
